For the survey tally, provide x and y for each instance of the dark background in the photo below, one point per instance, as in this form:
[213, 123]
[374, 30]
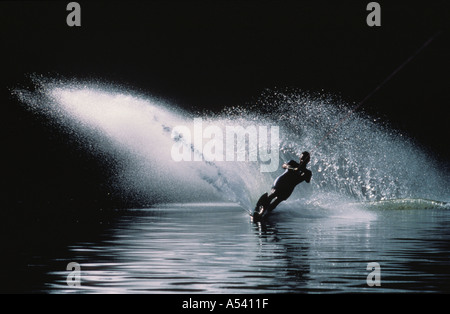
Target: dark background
[211, 54]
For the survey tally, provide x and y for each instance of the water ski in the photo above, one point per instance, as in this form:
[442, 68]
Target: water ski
[261, 208]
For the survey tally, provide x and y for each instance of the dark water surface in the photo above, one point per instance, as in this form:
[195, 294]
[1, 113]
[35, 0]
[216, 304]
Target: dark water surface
[215, 248]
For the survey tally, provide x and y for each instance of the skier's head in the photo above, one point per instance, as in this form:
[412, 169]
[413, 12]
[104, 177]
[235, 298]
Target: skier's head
[304, 159]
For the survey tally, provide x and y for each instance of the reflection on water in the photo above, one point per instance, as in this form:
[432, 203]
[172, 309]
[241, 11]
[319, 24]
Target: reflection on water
[217, 249]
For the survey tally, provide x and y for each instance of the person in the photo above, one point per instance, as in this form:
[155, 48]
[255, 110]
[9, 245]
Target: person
[284, 185]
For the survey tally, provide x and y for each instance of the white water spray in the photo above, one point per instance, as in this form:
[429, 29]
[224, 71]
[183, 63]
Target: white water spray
[366, 161]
